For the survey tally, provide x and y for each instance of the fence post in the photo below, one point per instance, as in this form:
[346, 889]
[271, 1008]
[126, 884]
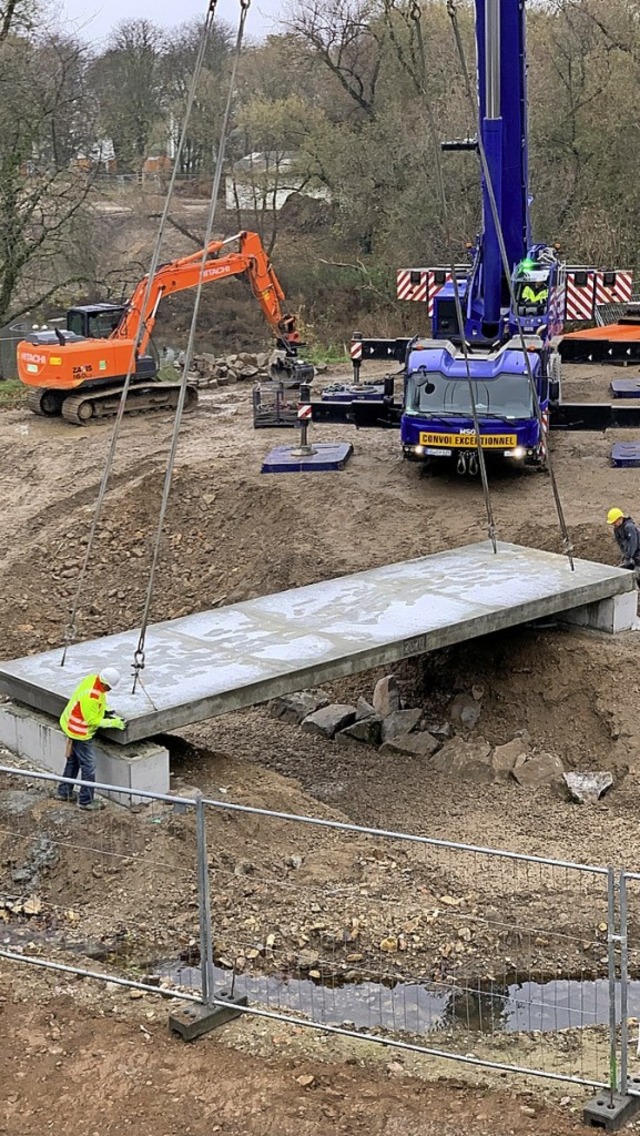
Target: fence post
[204, 905]
[611, 955]
[624, 987]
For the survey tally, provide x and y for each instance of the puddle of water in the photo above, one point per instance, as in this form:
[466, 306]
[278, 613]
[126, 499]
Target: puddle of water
[421, 1008]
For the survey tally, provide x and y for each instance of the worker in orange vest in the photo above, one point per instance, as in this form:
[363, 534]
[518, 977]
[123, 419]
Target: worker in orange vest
[87, 712]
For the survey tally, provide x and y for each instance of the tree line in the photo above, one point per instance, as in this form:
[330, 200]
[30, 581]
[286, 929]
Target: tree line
[347, 100]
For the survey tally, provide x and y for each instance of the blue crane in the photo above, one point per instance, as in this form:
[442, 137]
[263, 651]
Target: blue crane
[492, 372]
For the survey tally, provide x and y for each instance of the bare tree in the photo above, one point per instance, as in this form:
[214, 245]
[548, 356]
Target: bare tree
[41, 189]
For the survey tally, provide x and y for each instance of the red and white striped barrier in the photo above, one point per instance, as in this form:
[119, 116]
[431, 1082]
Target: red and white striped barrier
[304, 412]
[356, 350]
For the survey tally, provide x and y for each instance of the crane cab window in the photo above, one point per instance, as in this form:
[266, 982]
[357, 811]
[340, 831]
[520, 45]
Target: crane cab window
[532, 294]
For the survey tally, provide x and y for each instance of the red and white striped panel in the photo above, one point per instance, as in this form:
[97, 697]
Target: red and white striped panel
[411, 284]
[425, 290]
[580, 298]
[617, 291]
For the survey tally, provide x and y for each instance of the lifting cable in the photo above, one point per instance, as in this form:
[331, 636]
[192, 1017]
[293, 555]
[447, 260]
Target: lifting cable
[415, 15]
[139, 653]
[486, 173]
[71, 628]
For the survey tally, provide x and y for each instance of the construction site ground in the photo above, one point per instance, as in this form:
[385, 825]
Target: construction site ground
[73, 1062]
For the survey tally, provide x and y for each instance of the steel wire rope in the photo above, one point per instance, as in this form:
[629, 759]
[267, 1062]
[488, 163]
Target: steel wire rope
[71, 628]
[139, 653]
[486, 173]
[415, 15]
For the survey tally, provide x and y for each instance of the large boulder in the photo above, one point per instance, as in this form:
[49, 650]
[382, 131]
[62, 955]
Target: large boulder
[386, 696]
[329, 720]
[510, 756]
[296, 707]
[400, 722]
[587, 788]
[367, 731]
[538, 770]
[468, 760]
[414, 745]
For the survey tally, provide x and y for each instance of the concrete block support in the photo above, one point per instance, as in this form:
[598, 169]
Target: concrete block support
[36, 737]
[618, 613]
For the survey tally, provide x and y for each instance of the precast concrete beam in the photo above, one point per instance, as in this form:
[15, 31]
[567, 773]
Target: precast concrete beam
[215, 661]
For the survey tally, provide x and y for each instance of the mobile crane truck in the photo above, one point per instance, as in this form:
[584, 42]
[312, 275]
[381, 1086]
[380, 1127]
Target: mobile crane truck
[79, 373]
[436, 418]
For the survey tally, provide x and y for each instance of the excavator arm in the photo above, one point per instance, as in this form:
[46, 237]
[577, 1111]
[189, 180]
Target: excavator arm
[250, 260]
[55, 363]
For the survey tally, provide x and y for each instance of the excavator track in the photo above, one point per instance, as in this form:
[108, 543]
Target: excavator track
[82, 409]
[46, 403]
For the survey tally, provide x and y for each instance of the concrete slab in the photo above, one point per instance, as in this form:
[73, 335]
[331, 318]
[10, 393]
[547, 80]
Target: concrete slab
[38, 738]
[216, 661]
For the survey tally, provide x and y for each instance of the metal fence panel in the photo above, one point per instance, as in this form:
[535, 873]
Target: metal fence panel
[476, 955]
[70, 886]
[444, 948]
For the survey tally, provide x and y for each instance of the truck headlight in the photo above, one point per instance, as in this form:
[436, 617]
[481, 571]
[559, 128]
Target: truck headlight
[518, 452]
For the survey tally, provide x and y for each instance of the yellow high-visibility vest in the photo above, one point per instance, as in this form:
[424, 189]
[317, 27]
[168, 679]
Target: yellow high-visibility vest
[84, 713]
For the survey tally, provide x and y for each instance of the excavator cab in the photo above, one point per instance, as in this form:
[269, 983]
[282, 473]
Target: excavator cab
[95, 321]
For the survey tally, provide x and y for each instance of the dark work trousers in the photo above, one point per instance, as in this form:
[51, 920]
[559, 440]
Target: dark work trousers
[81, 760]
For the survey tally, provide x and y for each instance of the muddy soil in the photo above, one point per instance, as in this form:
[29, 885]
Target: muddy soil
[77, 1062]
[232, 534]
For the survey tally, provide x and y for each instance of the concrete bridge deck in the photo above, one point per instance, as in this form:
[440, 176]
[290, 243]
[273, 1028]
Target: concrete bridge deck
[215, 661]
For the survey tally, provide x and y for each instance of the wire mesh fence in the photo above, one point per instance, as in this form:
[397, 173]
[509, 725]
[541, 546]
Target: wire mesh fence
[70, 891]
[485, 957]
[628, 988]
[448, 949]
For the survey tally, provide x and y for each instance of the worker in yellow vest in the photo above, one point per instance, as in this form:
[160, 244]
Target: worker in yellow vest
[87, 712]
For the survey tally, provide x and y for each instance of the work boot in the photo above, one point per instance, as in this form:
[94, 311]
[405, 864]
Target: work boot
[92, 807]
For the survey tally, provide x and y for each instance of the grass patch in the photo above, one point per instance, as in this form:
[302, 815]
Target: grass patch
[12, 392]
[329, 353]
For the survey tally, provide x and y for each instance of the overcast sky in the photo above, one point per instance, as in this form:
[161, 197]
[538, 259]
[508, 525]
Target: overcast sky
[93, 19]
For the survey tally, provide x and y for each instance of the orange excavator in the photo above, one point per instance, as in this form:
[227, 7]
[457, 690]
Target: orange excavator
[79, 372]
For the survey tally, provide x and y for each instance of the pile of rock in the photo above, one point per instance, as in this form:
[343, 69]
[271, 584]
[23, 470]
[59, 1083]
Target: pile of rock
[397, 730]
[220, 370]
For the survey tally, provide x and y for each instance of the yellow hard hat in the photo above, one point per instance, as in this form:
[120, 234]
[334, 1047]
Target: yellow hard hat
[614, 515]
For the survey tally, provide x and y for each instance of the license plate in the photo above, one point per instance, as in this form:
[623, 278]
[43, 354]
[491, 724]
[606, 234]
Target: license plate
[434, 452]
[468, 441]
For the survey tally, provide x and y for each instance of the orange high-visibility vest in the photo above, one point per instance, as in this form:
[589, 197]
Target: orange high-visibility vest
[85, 711]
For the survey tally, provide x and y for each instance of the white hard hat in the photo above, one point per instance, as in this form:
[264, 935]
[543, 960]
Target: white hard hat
[109, 677]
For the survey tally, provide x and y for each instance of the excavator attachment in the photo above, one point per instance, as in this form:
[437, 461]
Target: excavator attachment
[614, 343]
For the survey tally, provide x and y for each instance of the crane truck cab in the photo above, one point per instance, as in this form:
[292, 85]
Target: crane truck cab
[437, 421]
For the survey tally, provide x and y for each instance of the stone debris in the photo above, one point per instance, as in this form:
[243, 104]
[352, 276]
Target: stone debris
[587, 788]
[510, 756]
[210, 370]
[364, 709]
[538, 770]
[297, 706]
[414, 745]
[464, 711]
[469, 760]
[367, 731]
[400, 722]
[386, 696]
[329, 719]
